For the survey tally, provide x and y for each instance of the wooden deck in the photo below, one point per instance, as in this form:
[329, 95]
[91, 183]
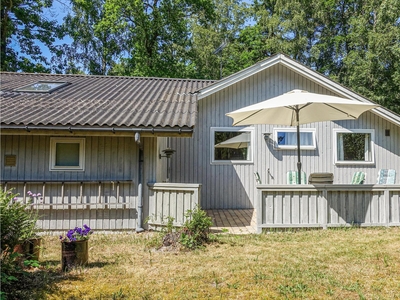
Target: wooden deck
[236, 221]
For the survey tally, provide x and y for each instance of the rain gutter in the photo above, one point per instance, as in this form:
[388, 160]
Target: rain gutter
[102, 129]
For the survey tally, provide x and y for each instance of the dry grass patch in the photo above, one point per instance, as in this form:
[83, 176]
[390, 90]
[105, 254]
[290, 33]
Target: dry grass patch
[327, 264]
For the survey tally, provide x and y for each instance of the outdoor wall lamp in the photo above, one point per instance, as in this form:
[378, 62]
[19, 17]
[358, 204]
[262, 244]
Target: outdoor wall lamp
[267, 136]
[168, 153]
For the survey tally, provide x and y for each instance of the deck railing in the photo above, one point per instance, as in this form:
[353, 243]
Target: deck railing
[331, 205]
[171, 200]
[63, 194]
[62, 205]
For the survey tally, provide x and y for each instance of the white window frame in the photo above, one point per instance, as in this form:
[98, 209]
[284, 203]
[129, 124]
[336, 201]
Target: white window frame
[294, 147]
[54, 141]
[352, 162]
[231, 129]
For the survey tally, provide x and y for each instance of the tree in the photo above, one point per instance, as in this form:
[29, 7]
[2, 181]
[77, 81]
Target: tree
[155, 33]
[372, 64]
[23, 25]
[355, 42]
[214, 50]
[94, 48]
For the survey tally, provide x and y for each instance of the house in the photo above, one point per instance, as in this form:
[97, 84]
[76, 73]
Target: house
[90, 145]
[116, 187]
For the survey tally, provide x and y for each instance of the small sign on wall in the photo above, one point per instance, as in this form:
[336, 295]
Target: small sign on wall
[10, 160]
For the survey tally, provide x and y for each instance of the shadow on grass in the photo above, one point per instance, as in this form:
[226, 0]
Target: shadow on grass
[37, 283]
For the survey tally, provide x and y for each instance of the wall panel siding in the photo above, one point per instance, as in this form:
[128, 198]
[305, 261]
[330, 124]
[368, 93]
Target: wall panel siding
[106, 158]
[103, 206]
[233, 186]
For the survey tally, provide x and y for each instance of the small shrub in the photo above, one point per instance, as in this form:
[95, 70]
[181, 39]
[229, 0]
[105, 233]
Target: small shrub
[196, 230]
[17, 225]
[17, 221]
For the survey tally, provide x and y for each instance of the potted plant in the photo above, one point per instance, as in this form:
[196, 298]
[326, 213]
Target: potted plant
[74, 247]
[18, 226]
[31, 242]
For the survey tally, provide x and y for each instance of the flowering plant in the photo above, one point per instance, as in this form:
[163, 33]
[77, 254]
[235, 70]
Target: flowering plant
[35, 197]
[77, 234]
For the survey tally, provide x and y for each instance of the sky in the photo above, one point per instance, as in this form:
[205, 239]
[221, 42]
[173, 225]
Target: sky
[58, 11]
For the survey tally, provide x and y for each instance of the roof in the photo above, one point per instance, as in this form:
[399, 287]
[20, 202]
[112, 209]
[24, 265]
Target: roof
[301, 69]
[106, 101]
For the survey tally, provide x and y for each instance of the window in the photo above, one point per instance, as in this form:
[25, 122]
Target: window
[286, 138]
[353, 146]
[67, 154]
[231, 145]
[42, 87]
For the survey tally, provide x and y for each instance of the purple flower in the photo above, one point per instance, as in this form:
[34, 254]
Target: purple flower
[77, 234]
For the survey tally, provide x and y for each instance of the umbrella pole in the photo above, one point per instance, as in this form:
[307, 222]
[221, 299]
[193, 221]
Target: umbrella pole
[298, 147]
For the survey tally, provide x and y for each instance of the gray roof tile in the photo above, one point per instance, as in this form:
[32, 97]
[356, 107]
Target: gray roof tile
[101, 101]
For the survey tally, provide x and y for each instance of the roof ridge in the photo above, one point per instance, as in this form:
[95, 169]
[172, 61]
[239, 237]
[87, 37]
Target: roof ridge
[107, 76]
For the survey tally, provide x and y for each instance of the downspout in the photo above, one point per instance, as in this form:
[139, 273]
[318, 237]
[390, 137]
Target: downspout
[139, 222]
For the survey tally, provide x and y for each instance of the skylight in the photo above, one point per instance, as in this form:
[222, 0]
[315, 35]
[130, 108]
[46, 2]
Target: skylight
[42, 87]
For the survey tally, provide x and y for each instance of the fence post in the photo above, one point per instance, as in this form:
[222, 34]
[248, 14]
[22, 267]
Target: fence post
[326, 209]
[386, 196]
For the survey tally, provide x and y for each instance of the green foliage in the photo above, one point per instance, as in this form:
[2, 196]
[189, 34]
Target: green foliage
[18, 224]
[170, 224]
[353, 42]
[24, 25]
[18, 221]
[196, 229]
[94, 48]
[215, 49]
[141, 38]
[31, 263]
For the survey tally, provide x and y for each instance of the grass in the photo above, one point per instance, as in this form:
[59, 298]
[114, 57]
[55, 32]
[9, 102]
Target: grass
[326, 264]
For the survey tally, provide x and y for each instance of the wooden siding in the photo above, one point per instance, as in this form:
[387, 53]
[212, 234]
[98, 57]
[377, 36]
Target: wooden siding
[104, 196]
[106, 158]
[171, 200]
[233, 186]
[327, 206]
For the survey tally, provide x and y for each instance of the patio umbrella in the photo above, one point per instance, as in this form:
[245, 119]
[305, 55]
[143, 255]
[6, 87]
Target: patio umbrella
[240, 141]
[299, 107]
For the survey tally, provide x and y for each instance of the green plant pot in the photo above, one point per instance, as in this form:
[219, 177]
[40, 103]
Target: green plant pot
[74, 254]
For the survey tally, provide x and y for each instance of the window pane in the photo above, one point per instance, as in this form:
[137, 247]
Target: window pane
[290, 138]
[42, 86]
[231, 145]
[67, 154]
[354, 146]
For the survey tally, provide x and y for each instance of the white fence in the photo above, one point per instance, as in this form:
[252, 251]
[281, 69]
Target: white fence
[171, 200]
[333, 205]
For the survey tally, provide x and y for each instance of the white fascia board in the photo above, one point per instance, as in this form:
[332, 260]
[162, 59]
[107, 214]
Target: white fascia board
[223, 83]
[337, 88]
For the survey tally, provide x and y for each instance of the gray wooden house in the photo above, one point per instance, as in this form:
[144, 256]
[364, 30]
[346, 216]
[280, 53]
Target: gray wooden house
[92, 146]
[98, 149]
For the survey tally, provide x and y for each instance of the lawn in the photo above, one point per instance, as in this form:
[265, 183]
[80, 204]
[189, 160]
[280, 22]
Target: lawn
[350, 263]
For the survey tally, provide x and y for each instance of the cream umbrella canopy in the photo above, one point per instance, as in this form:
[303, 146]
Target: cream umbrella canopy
[299, 107]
